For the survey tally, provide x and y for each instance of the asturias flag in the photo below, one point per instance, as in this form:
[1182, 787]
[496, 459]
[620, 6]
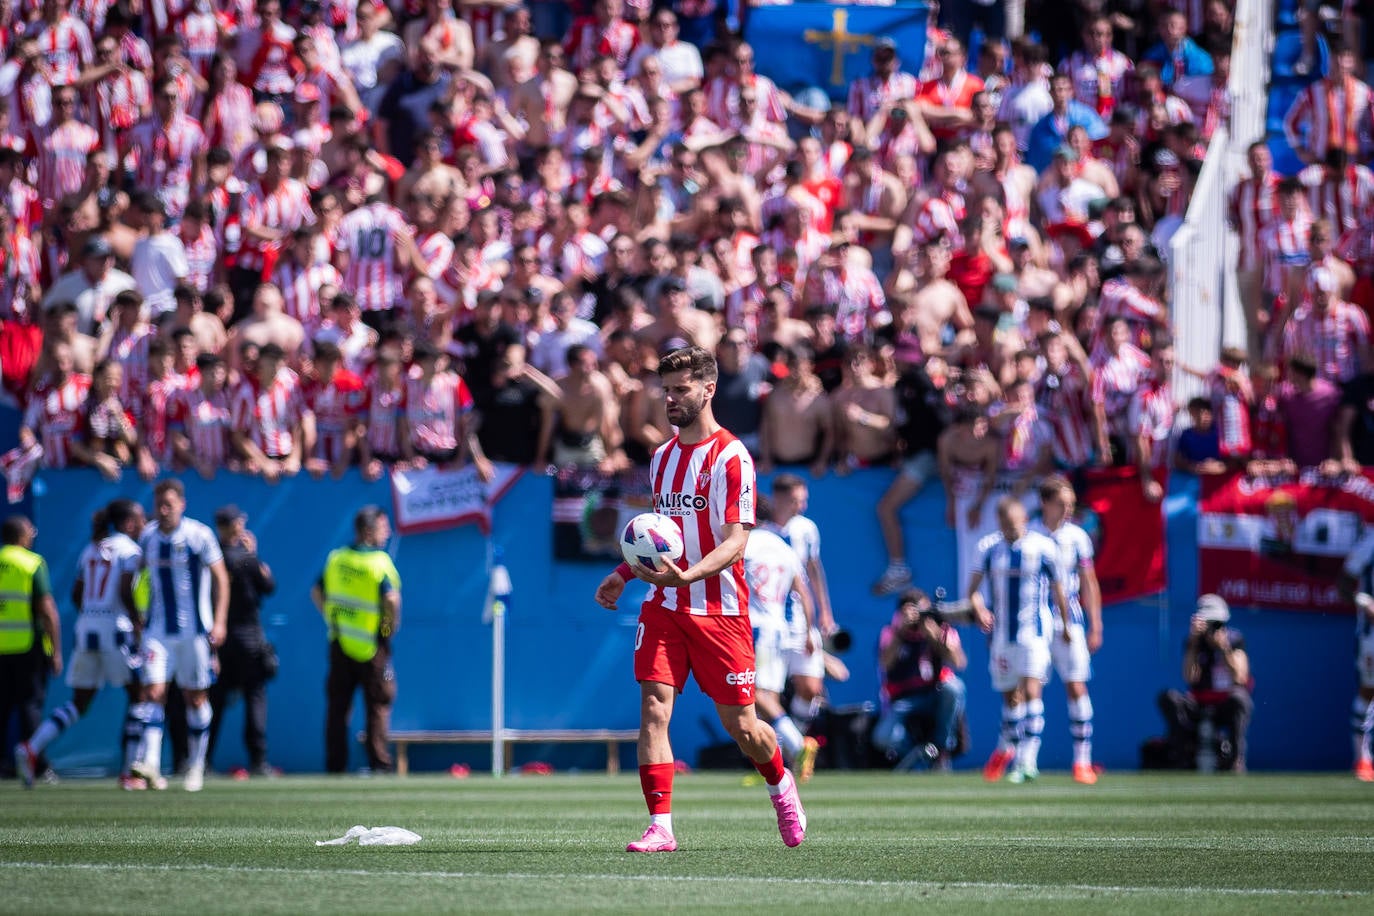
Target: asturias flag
[829, 45]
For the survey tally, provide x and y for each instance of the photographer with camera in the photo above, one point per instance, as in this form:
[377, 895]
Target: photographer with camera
[1217, 671]
[919, 653]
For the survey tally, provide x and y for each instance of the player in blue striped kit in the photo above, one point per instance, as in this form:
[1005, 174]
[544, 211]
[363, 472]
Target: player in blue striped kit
[1021, 572]
[183, 560]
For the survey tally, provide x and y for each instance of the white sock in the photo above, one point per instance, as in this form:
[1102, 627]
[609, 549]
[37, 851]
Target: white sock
[150, 751]
[803, 711]
[782, 785]
[1028, 752]
[662, 820]
[61, 719]
[789, 736]
[1361, 721]
[198, 734]
[1081, 728]
[1011, 726]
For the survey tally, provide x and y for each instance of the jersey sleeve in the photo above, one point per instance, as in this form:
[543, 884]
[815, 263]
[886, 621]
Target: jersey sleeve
[1083, 546]
[1360, 555]
[735, 487]
[208, 546]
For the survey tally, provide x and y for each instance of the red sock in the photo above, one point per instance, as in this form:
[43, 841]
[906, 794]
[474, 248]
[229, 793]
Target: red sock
[772, 770]
[656, 779]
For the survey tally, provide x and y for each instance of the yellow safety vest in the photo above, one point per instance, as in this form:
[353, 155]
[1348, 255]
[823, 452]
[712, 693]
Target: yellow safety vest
[18, 567]
[353, 598]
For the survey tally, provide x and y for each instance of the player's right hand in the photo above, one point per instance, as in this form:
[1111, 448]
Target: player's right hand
[608, 592]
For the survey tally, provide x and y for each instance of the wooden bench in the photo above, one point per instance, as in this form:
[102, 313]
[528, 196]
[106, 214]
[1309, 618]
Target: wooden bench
[612, 738]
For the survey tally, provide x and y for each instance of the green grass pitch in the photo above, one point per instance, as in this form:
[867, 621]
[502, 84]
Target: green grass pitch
[877, 843]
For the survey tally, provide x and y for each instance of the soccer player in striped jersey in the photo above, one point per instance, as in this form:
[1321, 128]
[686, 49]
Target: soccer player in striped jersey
[183, 626]
[107, 630]
[695, 619]
[774, 572]
[1021, 570]
[1359, 581]
[374, 250]
[1072, 656]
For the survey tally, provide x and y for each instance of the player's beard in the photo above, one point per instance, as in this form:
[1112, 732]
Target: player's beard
[685, 413]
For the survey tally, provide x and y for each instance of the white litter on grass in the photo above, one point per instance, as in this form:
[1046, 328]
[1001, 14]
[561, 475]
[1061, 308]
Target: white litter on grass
[374, 836]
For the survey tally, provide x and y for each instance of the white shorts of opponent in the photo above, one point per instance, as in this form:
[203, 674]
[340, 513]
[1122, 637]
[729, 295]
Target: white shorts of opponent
[185, 659]
[1011, 663]
[801, 664]
[770, 660]
[1072, 660]
[1364, 661]
[102, 656]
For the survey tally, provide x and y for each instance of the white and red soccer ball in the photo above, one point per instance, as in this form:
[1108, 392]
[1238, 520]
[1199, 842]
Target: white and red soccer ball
[651, 540]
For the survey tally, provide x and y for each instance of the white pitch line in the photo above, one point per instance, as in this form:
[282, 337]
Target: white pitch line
[699, 879]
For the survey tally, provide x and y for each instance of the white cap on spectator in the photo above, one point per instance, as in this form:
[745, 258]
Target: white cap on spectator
[1213, 608]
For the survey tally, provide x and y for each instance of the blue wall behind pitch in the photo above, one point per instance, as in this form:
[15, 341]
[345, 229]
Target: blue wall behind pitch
[569, 661]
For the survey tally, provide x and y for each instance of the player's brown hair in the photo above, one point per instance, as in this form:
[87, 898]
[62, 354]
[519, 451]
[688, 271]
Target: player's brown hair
[171, 483]
[1053, 485]
[698, 362]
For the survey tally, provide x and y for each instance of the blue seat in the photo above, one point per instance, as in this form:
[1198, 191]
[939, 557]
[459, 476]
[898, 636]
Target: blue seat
[1286, 162]
[1281, 98]
[1287, 53]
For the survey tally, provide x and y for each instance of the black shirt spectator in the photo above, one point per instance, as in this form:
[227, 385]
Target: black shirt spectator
[404, 111]
[741, 388]
[922, 411]
[481, 341]
[1356, 420]
[512, 408]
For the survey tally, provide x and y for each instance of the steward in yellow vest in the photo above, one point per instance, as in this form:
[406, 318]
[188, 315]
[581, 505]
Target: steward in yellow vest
[359, 594]
[30, 637]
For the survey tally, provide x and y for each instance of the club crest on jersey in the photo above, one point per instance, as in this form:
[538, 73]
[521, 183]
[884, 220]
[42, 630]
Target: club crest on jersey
[704, 480]
[678, 504]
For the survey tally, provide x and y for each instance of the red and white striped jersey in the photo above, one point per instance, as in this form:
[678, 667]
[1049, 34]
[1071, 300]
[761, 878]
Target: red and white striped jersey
[273, 67]
[119, 101]
[230, 116]
[153, 407]
[199, 32]
[1344, 202]
[1088, 71]
[368, 236]
[1115, 380]
[435, 410]
[300, 286]
[30, 104]
[854, 293]
[486, 21]
[130, 350]
[205, 420]
[1283, 244]
[722, 99]
[1151, 414]
[1326, 115]
[60, 156]
[942, 214]
[165, 155]
[1356, 248]
[92, 13]
[270, 416]
[336, 405]
[1254, 204]
[287, 208]
[56, 414]
[868, 93]
[202, 252]
[66, 46]
[436, 253]
[1335, 340]
[19, 273]
[1060, 398]
[382, 409]
[704, 487]
[587, 40]
[1119, 299]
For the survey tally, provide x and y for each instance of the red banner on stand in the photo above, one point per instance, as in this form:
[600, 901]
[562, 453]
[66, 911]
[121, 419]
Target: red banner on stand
[1127, 531]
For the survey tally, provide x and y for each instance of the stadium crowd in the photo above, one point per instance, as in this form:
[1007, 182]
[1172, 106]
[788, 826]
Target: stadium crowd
[284, 237]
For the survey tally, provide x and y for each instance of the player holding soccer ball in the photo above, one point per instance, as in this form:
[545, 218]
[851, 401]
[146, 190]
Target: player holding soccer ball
[696, 617]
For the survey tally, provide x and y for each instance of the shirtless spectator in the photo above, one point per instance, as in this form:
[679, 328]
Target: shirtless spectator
[268, 422]
[865, 416]
[61, 324]
[798, 420]
[678, 318]
[189, 312]
[989, 348]
[542, 102]
[269, 324]
[969, 453]
[938, 304]
[586, 427]
[777, 329]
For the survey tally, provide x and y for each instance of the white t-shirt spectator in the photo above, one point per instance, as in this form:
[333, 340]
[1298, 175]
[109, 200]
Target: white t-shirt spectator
[93, 301]
[363, 58]
[159, 263]
[550, 353]
[680, 61]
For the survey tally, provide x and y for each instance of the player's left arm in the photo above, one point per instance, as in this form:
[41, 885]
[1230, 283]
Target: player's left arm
[824, 616]
[221, 592]
[798, 588]
[727, 553]
[1090, 596]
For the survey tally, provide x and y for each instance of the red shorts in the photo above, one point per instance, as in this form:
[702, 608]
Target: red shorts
[719, 651]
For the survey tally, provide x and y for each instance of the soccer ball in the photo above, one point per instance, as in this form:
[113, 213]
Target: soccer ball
[651, 540]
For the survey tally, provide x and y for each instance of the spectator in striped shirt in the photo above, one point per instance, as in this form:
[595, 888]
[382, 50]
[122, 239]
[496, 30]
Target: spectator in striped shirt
[59, 150]
[268, 429]
[1332, 333]
[56, 418]
[201, 419]
[334, 397]
[384, 411]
